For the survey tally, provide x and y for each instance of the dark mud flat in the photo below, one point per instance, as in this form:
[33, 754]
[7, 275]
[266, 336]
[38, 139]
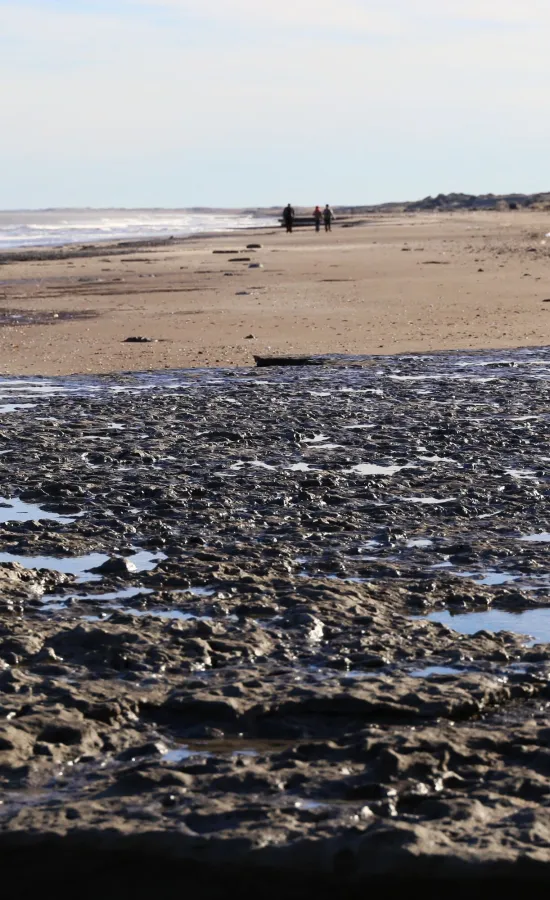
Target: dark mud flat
[277, 630]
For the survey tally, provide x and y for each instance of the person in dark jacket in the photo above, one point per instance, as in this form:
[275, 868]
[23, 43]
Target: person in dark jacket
[288, 217]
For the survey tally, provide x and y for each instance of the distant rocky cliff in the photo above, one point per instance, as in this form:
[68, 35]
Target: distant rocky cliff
[450, 202]
[482, 201]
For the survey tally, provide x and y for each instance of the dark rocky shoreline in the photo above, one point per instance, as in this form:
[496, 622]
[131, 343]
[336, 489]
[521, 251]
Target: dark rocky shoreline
[269, 696]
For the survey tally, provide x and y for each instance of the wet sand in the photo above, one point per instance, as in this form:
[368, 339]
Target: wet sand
[409, 283]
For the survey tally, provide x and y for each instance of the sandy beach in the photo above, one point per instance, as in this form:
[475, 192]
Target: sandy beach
[396, 283]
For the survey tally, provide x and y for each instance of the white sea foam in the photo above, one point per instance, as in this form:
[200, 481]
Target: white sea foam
[54, 228]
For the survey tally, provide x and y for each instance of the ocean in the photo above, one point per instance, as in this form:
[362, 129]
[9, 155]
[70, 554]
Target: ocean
[56, 227]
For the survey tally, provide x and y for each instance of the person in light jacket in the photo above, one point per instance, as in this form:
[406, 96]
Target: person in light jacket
[328, 217]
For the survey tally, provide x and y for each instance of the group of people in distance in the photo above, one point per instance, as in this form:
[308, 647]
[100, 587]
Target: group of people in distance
[319, 215]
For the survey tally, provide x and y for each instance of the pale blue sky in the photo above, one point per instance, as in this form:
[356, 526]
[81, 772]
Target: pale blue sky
[257, 102]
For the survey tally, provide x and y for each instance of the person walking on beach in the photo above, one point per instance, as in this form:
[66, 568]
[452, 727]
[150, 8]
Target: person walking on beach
[288, 218]
[317, 216]
[328, 217]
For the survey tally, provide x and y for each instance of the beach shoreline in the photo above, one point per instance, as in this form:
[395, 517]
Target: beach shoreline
[90, 249]
[401, 283]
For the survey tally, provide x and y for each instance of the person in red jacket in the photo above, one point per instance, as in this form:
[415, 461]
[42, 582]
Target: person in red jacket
[317, 216]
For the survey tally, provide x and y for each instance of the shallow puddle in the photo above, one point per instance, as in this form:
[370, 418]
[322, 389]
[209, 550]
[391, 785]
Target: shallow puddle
[301, 467]
[321, 674]
[12, 407]
[534, 623]
[254, 463]
[81, 565]
[542, 538]
[373, 469]
[76, 565]
[490, 578]
[311, 804]
[56, 602]
[445, 459]
[169, 614]
[59, 601]
[184, 753]
[44, 388]
[435, 670]
[428, 501]
[123, 594]
[145, 561]
[15, 510]
[245, 748]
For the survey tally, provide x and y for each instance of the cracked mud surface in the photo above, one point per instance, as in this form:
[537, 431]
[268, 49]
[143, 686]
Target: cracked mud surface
[246, 658]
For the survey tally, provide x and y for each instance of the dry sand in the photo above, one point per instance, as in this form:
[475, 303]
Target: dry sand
[398, 283]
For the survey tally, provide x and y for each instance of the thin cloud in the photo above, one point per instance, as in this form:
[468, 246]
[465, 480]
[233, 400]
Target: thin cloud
[351, 16]
[528, 12]
[362, 16]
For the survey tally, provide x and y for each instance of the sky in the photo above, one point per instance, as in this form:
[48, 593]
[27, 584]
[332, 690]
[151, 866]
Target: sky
[241, 103]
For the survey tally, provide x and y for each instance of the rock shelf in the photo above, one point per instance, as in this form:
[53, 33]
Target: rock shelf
[251, 691]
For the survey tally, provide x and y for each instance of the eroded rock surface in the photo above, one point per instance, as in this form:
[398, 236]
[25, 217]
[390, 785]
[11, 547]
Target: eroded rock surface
[259, 653]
